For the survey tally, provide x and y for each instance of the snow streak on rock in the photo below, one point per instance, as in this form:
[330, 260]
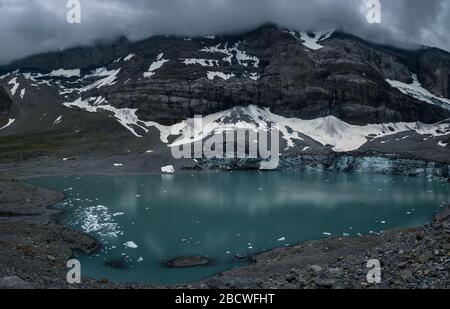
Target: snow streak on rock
[15, 85]
[10, 122]
[212, 75]
[416, 91]
[234, 52]
[341, 136]
[155, 66]
[311, 39]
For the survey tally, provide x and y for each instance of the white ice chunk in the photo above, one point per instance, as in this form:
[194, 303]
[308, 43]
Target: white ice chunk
[169, 169]
[130, 244]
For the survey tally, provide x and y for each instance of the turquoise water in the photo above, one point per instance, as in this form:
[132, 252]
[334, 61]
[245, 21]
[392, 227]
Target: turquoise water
[143, 221]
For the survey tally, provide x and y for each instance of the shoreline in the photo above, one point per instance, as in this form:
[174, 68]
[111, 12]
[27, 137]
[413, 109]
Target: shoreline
[278, 268]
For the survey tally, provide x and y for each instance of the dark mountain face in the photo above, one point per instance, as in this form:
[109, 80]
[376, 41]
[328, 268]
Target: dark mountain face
[268, 67]
[5, 106]
[168, 79]
[5, 102]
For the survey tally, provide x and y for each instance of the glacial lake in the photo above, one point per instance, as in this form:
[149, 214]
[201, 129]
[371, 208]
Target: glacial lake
[144, 221]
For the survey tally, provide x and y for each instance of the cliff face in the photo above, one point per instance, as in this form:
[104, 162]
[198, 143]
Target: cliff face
[5, 102]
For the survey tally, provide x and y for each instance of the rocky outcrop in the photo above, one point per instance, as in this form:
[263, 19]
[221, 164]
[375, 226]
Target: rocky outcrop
[5, 102]
[434, 71]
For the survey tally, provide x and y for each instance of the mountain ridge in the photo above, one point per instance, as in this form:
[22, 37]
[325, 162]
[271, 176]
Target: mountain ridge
[166, 80]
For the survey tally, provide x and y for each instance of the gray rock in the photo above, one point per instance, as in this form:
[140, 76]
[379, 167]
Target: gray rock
[325, 283]
[14, 283]
[316, 268]
[51, 258]
[188, 261]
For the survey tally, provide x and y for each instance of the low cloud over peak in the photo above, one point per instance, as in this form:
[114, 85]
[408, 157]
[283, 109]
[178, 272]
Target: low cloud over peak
[32, 26]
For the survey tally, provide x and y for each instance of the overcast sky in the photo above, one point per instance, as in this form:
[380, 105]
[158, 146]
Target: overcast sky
[32, 26]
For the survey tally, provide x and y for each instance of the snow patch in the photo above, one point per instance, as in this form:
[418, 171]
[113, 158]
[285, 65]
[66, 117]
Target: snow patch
[109, 80]
[65, 73]
[15, 85]
[311, 39]
[212, 75]
[202, 62]
[155, 66]
[97, 219]
[416, 91]
[241, 56]
[129, 57]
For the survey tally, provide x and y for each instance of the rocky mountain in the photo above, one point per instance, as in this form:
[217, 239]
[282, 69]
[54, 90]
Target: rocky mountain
[327, 90]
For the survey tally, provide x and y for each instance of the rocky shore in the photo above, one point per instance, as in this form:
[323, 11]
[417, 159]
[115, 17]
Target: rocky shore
[34, 250]
[415, 258]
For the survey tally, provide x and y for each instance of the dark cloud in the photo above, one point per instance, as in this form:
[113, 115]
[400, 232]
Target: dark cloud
[31, 26]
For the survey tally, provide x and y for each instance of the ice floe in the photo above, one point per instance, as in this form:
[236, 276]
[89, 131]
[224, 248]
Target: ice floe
[22, 93]
[98, 220]
[130, 244]
[169, 169]
[108, 80]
